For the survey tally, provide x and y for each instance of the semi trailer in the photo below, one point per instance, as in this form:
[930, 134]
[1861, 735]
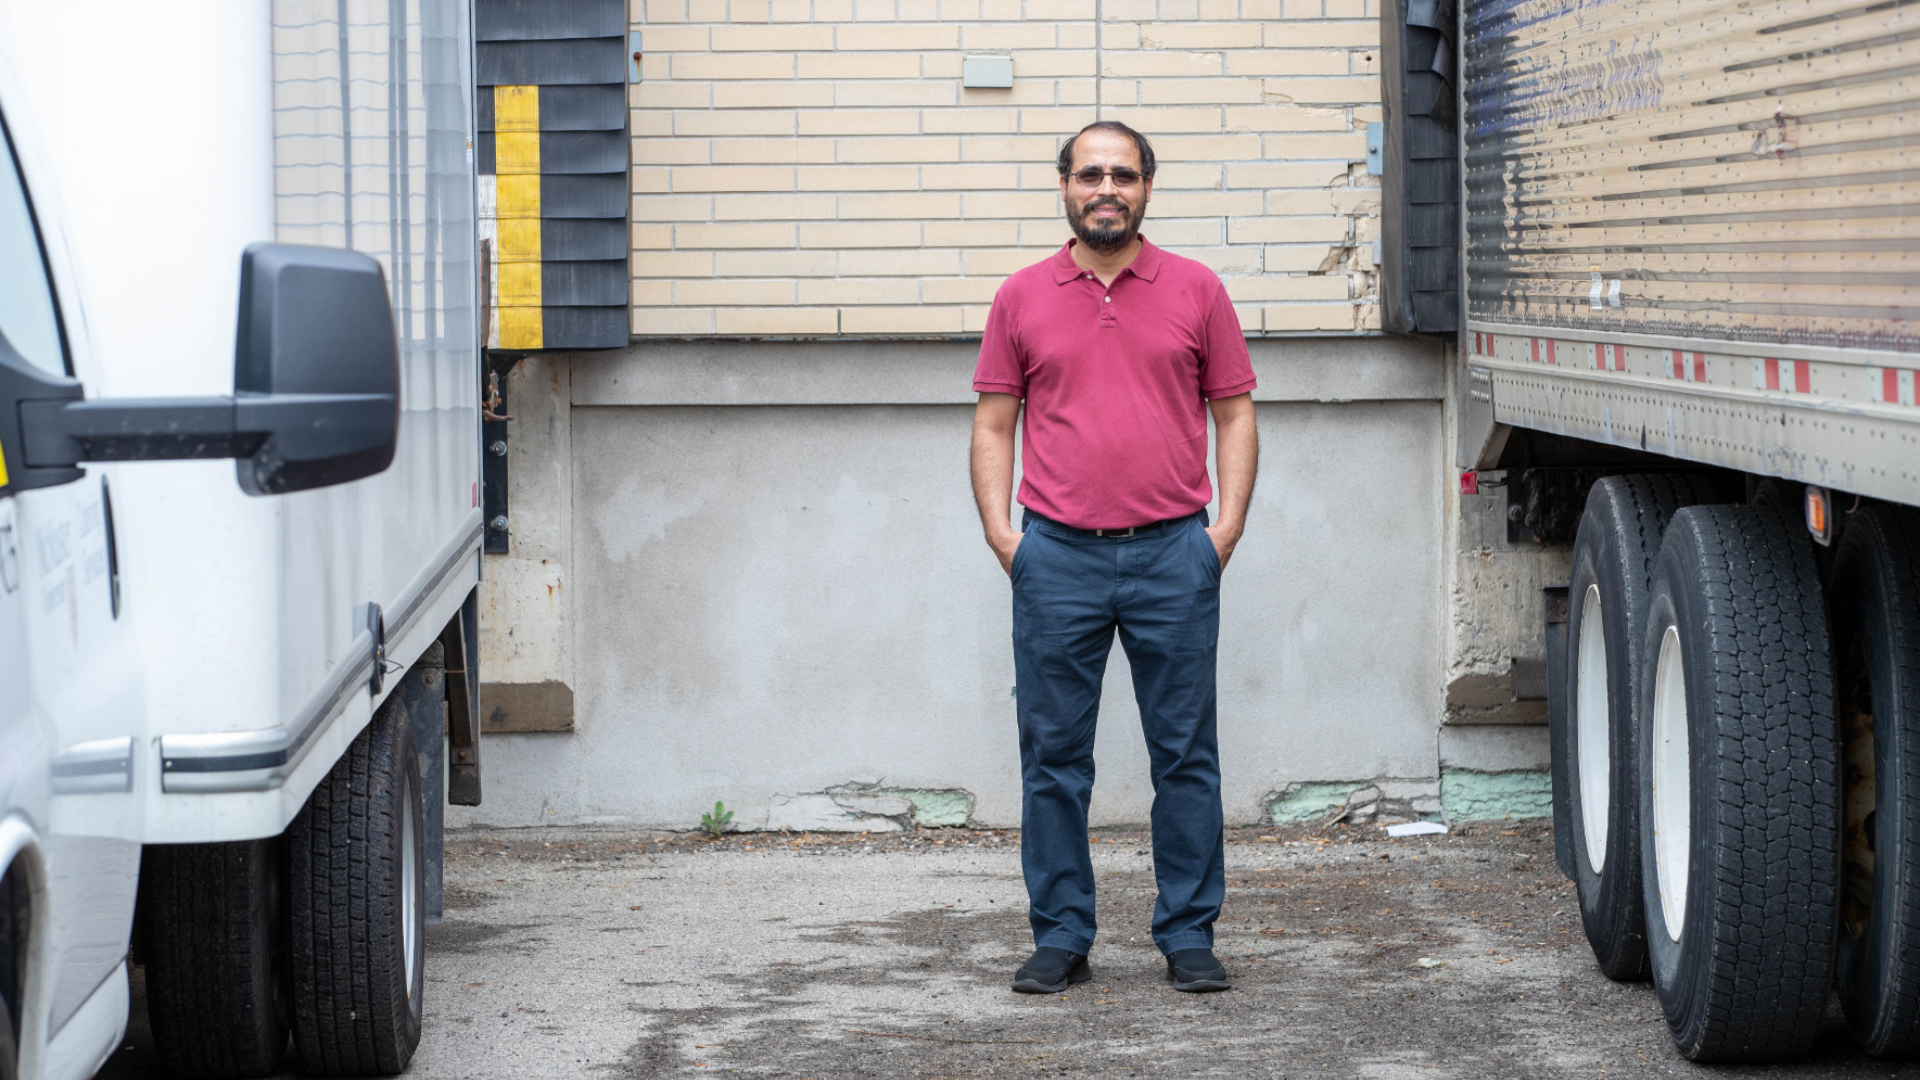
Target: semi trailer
[240, 525]
[1671, 242]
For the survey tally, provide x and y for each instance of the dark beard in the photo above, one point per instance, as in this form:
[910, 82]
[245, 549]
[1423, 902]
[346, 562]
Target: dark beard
[1104, 241]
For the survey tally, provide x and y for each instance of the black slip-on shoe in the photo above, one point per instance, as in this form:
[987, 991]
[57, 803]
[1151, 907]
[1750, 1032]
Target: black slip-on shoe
[1050, 970]
[1195, 971]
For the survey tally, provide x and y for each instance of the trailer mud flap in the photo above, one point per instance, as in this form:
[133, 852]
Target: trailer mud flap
[1554, 602]
[459, 642]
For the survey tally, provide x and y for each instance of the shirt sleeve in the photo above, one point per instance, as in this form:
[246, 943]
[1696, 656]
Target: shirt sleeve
[1000, 370]
[1225, 368]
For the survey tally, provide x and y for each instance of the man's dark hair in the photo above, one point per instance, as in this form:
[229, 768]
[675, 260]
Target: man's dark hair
[1065, 164]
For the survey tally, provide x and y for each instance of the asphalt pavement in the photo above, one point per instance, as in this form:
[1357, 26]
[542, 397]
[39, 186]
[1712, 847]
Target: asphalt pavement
[584, 953]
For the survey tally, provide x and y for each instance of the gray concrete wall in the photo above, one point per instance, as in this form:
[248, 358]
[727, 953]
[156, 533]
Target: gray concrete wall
[526, 595]
[781, 598]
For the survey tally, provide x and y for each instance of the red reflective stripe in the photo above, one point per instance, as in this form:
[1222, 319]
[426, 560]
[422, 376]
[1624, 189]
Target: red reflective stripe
[1890, 385]
[1699, 367]
[1600, 356]
[1551, 358]
[1679, 365]
[1802, 377]
[1773, 374]
[1534, 344]
[1619, 358]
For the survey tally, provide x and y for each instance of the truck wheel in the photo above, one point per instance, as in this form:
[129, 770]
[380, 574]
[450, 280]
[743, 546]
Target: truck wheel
[1613, 556]
[358, 892]
[1739, 785]
[1875, 599]
[216, 956]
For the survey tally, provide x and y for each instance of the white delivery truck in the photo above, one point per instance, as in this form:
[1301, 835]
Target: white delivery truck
[239, 523]
[1673, 240]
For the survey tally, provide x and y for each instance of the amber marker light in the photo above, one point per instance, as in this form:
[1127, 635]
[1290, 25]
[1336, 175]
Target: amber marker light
[1820, 515]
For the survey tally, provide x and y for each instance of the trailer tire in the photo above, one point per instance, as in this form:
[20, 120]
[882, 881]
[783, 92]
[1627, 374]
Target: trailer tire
[1875, 599]
[1613, 557]
[359, 907]
[9, 1054]
[1739, 785]
[216, 957]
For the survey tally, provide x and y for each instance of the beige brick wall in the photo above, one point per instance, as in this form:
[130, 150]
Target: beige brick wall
[814, 167]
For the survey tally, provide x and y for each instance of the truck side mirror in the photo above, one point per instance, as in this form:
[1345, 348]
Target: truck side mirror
[316, 368]
[316, 388]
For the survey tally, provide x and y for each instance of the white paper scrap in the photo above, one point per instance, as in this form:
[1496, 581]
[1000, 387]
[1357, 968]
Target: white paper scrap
[1416, 828]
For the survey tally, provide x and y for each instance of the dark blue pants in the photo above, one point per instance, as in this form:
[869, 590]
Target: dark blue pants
[1161, 590]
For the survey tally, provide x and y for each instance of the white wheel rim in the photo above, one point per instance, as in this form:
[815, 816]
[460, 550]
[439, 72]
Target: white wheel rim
[409, 897]
[1672, 794]
[1592, 727]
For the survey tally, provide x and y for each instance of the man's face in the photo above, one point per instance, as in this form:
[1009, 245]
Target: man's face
[1106, 213]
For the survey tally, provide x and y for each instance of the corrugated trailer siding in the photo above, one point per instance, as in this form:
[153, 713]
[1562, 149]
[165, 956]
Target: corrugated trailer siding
[553, 161]
[1739, 169]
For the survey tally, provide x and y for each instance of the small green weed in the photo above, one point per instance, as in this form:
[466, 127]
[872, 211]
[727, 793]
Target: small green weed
[716, 822]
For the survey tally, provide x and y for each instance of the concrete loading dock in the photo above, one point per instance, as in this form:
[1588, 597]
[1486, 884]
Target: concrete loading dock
[775, 596]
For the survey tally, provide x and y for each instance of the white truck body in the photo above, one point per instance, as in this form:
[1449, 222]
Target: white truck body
[1687, 233]
[199, 687]
[249, 613]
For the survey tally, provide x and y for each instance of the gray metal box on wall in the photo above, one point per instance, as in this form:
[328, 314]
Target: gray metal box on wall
[553, 159]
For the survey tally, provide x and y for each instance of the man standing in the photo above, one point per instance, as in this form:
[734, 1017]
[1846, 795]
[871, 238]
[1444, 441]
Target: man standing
[1119, 350]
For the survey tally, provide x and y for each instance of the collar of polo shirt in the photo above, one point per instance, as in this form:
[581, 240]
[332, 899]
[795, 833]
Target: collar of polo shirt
[1144, 266]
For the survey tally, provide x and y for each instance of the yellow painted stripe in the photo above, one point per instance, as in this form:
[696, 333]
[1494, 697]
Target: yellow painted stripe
[517, 196]
[516, 150]
[519, 240]
[520, 328]
[516, 108]
[3, 470]
[516, 130]
[518, 284]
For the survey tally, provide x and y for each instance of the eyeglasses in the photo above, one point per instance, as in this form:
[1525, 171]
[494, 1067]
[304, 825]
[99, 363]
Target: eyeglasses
[1090, 177]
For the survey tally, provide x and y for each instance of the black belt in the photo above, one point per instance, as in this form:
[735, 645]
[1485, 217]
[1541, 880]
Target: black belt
[1151, 526]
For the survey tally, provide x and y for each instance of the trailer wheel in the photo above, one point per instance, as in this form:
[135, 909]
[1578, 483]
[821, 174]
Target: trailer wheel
[1739, 785]
[1613, 556]
[1875, 600]
[359, 907]
[216, 956]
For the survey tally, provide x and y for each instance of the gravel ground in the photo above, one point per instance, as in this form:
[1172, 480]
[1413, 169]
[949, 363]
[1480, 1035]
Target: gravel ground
[581, 953]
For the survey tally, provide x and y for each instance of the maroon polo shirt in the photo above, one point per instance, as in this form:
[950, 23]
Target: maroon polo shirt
[1116, 381]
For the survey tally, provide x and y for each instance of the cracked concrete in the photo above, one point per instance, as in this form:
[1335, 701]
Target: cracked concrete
[1356, 801]
[580, 953]
[858, 807]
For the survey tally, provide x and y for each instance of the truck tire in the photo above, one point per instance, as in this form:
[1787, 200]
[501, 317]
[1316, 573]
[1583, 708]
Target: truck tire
[358, 899]
[1874, 596]
[1613, 556]
[1739, 785]
[16, 917]
[216, 956]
